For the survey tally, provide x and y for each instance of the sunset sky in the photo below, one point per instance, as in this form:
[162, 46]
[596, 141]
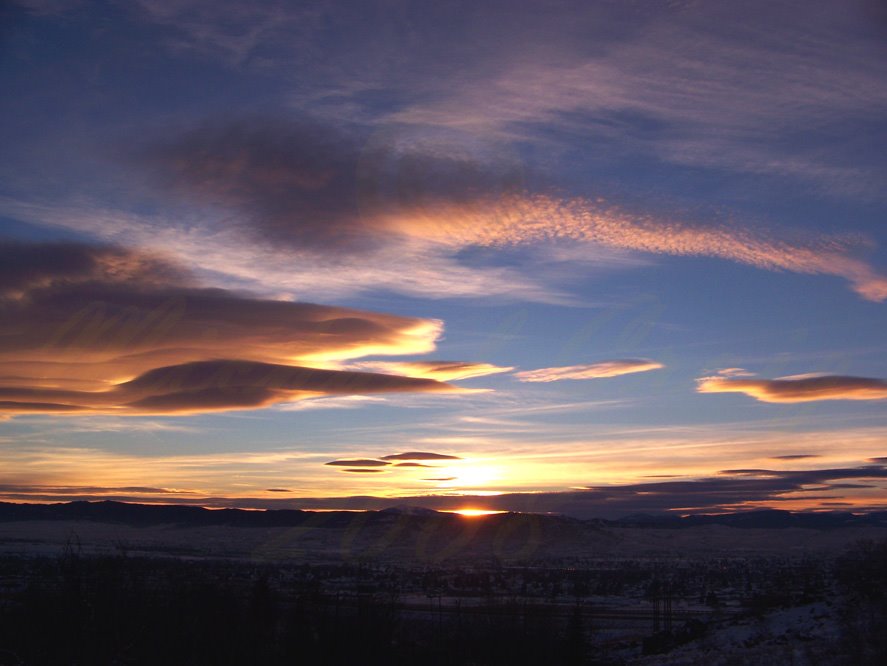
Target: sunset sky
[593, 257]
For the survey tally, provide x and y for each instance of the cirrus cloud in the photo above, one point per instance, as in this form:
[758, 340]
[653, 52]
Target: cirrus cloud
[613, 368]
[441, 370]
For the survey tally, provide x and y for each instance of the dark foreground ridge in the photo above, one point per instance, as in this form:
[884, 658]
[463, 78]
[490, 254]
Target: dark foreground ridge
[194, 516]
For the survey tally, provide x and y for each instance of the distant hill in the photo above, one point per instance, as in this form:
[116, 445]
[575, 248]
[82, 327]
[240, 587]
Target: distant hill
[410, 535]
[765, 518]
[192, 516]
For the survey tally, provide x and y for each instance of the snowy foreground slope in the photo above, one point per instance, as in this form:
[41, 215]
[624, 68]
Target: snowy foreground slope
[762, 588]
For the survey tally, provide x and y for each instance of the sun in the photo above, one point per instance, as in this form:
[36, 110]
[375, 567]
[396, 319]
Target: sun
[474, 513]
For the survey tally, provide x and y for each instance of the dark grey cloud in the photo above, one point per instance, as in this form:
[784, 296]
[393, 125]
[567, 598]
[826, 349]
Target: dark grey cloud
[420, 455]
[304, 184]
[796, 456]
[24, 407]
[26, 266]
[358, 462]
[411, 464]
[6, 488]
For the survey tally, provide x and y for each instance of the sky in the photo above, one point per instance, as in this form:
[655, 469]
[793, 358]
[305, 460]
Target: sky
[596, 258]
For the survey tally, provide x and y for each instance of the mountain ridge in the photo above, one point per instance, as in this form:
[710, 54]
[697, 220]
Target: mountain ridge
[136, 514]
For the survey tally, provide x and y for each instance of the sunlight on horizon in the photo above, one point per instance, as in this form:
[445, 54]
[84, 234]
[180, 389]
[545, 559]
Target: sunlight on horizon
[473, 513]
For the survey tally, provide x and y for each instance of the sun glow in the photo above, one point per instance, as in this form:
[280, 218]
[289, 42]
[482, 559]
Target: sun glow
[474, 513]
[473, 476]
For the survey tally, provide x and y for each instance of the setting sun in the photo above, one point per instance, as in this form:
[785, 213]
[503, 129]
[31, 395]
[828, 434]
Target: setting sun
[474, 513]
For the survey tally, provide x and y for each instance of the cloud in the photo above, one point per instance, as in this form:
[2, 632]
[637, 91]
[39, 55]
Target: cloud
[441, 370]
[693, 84]
[220, 249]
[420, 455]
[735, 372]
[103, 329]
[343, 402]
[305, 185]
[411, 464]
[704, 495]
[802, 388]
[514, 220]
[206, 27]
[721, 493]
[796, 456]
[23, 489]
[358, 462]
[736, 487]
[203, 386]
[698, 85]
[293, 183]
[686, 83]
[305, 202]
[301, 186]
[591, 371]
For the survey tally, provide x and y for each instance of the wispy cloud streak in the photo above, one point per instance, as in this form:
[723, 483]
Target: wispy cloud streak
[441, 370]
[591, 371]
[533, 219]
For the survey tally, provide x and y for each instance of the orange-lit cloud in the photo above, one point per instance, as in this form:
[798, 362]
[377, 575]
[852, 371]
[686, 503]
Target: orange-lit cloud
[99, 329]
[444, 371]
[591, 371]
[204, 386]
[803, 388]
